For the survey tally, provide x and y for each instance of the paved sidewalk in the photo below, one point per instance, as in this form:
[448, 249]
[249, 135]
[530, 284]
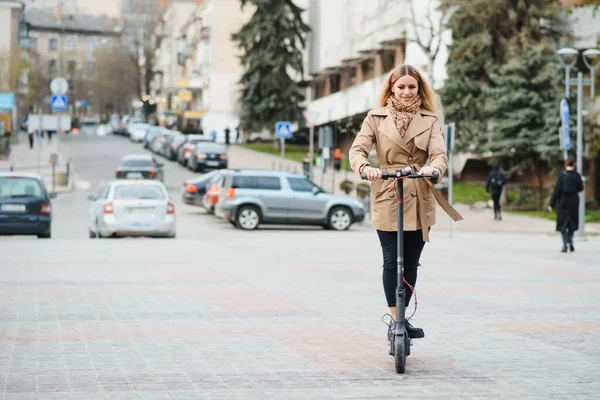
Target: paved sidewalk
[37, 160]
[474, 220]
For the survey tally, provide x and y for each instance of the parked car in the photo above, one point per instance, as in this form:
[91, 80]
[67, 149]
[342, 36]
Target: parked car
[137, 131]
[186, 150]
[195, 188]
[132, 208]
[140, 166]
[174, 143]
[252, 197]
[208, 155]
[156, 146]
[151, 134]
[213, 190]
[25, 205]
[165, 147]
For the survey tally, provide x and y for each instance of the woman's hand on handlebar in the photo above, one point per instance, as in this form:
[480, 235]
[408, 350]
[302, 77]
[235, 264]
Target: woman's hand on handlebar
[372, 173]
[427, 170]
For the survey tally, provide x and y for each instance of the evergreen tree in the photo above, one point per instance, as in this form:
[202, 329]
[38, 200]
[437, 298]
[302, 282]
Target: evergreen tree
[272, 42]
[482, 33]
[523, 104]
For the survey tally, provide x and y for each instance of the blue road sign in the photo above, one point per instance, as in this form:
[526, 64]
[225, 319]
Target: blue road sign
[565, 116]
[7, 101]
[58, 103]
[283, 130]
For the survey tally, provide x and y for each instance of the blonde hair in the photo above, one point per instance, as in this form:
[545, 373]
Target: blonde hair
[430, 100]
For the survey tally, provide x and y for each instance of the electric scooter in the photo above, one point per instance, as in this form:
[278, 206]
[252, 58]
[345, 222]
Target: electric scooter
[400, 342]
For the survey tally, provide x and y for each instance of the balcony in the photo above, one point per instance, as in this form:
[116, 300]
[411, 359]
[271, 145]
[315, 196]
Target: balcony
[357, 99]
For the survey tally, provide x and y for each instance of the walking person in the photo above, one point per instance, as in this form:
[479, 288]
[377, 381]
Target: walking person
[406, 130]
[565, 200]
[495, 185]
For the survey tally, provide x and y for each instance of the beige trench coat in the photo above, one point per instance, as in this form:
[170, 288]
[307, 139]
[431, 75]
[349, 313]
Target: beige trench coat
[422, 141]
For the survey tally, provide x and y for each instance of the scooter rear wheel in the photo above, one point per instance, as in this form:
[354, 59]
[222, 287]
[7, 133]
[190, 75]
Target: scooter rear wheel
[400, 354]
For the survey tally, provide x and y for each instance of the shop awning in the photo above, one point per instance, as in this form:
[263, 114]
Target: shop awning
[194, 114]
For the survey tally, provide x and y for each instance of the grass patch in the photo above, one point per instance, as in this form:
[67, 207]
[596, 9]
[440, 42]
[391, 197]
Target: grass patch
[469, 193]
[590, 215]
[292, 152]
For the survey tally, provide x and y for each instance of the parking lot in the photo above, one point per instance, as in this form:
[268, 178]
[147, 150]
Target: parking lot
[284, 311]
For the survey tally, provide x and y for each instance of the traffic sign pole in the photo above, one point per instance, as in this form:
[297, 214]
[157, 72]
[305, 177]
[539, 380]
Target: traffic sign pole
[311, 117]
[283, 131]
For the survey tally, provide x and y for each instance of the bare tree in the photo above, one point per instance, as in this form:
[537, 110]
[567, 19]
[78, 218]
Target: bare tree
[113, 81]
[10, 67]
[428, 31]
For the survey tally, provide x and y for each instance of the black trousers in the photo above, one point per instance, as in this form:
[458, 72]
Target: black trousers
[567, 234]
[413, 246]
[496, 200]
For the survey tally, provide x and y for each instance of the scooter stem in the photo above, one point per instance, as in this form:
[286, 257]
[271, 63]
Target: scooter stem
[400, 295]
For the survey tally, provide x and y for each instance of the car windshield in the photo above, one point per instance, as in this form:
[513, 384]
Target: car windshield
[138, 192]
[20, 187]
[136, 162]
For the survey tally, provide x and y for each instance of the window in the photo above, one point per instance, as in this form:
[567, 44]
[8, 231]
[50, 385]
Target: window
[71, 67]
[71, 43]
[51, 67]
[52, 45]
[33, 42]
[335, 80]
[137, 162]
[138, 192]
[301, 185]
[20, 187]
[268, 182]
[244, 182]
[91, 46]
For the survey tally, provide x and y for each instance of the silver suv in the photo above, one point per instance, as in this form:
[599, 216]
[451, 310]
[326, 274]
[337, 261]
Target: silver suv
[250, 197]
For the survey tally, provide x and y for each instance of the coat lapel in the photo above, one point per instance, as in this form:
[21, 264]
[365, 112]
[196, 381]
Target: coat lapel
[390, 131]
[418, 125]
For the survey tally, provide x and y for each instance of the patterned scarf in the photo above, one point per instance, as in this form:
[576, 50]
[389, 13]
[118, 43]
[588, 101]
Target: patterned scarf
[403, 113]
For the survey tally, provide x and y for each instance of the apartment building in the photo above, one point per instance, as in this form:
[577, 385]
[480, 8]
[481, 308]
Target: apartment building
[64, 43]
[199, 69]
[350, 55]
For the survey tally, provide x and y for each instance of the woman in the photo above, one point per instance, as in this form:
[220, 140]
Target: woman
[565, 197]
[406, 131]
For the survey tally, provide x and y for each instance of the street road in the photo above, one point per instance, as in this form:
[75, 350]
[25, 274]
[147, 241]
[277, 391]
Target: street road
[282, 312]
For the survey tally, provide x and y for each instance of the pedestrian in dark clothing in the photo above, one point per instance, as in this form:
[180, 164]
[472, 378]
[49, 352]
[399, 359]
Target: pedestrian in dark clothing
[565, 200]
[227, 136]
[495, 185]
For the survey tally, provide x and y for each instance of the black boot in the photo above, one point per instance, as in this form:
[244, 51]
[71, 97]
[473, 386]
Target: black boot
[414, 333]
[570, 237]
[565, 239]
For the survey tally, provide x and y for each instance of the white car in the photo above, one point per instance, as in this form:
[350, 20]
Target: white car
[132, 208]
[137, 132]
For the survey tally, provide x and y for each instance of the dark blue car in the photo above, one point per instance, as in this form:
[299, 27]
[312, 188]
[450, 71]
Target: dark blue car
[25, 207]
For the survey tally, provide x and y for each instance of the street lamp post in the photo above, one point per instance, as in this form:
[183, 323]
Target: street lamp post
[567, 58]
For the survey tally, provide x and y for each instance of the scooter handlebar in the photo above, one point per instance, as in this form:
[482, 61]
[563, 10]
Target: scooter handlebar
[406, 173]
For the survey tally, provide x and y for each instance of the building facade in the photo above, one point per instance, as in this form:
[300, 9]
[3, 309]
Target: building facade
[10, 27]
[198, 67]
[63, 44]
[351, 55]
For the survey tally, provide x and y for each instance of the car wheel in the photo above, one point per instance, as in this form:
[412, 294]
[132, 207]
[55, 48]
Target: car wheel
[247, 218]
[92, 234]
[46, 235]
[339, 219]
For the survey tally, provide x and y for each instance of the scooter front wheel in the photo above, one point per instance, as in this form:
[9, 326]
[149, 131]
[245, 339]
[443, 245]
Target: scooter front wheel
[400, 354]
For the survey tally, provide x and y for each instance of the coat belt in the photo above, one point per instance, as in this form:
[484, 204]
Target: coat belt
[451, 211]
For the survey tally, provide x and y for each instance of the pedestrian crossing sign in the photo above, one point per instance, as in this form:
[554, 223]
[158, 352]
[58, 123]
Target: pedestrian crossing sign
[283, 130]
[58, 103]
